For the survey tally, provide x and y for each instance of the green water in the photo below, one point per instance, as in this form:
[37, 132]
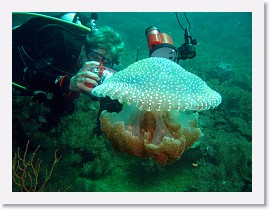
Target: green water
[223, 155]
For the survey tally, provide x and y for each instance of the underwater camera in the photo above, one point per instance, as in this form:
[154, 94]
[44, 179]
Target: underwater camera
[160, 44]
[102, 71]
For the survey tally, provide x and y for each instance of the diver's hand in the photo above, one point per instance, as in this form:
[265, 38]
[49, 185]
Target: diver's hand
[77, 82]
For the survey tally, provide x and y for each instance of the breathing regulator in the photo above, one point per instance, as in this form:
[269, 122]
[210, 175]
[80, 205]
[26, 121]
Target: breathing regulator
[80, 19]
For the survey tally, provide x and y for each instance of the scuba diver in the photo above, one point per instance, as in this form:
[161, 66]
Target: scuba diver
[54, 55]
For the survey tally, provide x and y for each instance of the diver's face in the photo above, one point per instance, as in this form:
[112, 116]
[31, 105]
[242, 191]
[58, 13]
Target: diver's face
[100, 55]
[102, 52]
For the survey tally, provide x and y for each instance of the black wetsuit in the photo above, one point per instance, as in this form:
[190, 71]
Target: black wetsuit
[42, 51]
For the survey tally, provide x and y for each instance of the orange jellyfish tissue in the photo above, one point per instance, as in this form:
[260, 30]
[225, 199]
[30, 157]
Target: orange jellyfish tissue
[160, 114]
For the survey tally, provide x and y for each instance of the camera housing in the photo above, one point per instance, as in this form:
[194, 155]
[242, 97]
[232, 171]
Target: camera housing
[103, 72]
[160, 44]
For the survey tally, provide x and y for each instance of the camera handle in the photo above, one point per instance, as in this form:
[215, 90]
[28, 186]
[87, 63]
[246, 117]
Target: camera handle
[187, 49]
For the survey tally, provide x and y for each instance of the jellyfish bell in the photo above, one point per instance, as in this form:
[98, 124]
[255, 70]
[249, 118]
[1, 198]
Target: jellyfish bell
[159, 118]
